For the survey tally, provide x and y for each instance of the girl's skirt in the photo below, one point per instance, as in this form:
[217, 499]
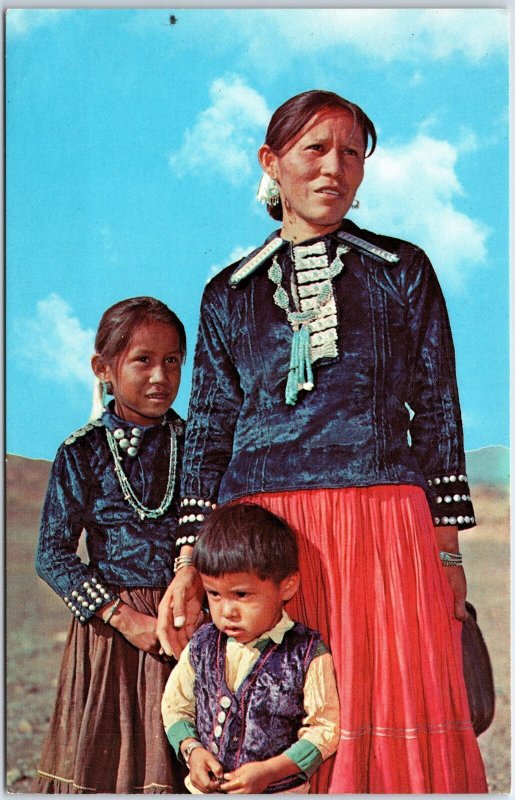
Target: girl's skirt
[372, 583]
[106, 733]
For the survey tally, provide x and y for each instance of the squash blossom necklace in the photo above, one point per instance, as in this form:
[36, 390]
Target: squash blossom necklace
[314, 319]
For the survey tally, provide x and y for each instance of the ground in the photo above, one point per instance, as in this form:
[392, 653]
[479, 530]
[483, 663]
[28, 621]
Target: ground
[37, 622]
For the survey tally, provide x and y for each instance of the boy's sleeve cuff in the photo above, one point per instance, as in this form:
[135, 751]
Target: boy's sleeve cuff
[306, 756]
[180, 731]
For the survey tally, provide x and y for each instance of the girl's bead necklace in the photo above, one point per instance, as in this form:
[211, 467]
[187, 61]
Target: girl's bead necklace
[129, 493]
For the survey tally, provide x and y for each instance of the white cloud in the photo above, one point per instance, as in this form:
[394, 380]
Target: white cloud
[21, 21]
[55, 344]
[387, 34]
[411, 191]
[221, 139]
[235, 255]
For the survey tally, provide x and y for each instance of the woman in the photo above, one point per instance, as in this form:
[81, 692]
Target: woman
[313, 354]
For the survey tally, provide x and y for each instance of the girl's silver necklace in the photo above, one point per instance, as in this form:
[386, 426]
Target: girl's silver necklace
[129, 493]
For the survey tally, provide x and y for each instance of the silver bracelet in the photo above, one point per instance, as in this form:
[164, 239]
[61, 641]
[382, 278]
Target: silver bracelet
[188, 750]
[180, 562]
[451, 559]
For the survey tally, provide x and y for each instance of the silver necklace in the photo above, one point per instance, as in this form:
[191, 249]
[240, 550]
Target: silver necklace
[129, 493]
[300, 372]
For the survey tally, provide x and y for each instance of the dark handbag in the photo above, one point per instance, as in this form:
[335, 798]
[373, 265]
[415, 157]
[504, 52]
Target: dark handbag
[478, 673]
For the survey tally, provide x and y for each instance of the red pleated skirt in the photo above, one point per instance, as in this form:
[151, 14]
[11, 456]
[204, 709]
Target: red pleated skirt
[106, 734]
[373, 585]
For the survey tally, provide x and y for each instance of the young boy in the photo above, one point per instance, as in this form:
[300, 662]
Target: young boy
[252, 705]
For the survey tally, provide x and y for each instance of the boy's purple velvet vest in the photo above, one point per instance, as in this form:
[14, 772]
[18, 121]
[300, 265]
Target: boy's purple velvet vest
[261, 719]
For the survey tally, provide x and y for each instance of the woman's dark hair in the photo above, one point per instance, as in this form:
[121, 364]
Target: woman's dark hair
[119, 322]
[245, 537]
[291, 116]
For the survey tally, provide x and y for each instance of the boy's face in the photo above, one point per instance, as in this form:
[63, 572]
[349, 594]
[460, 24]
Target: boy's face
[244, 606]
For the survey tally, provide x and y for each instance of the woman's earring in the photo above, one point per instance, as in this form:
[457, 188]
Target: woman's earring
[107, 388]
[355, 203]
[268, 191]
[274, 196]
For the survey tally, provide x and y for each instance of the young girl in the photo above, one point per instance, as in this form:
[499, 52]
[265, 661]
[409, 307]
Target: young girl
[116, 478]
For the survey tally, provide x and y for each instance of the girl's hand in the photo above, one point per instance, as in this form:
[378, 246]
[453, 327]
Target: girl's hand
[139, 629]
[180, 611]
[447, 540]
[204, 770]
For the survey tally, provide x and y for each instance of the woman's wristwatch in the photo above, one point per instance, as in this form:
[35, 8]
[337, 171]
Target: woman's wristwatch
[188, 750]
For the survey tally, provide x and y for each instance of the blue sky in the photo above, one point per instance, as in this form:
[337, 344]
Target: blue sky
[131, 169]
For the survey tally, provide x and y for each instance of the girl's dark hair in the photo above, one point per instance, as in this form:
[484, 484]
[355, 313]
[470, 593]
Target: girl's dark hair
[119, 322]
[291, 116]
[245, 537]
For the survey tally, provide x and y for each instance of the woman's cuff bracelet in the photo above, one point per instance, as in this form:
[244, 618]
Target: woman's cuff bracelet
[180, 562]
[451, 559]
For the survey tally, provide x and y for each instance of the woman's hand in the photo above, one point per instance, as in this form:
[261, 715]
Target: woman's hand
[458, 583]
[204, 769]
[180, 611]
[139, 629]
[447, 539]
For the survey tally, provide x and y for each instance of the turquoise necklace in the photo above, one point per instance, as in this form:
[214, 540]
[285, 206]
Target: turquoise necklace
[128, 492]
[300, 374]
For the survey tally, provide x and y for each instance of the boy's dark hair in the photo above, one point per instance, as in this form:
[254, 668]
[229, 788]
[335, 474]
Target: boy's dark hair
[245, 537]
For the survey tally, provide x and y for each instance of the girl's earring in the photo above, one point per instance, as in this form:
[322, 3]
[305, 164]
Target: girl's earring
[355, 203]
[99, 400]
[107, 388]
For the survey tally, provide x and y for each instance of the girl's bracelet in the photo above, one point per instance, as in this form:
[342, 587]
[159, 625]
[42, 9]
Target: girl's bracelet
[112, 611]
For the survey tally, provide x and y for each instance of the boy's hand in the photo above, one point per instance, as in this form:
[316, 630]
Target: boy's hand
[254, 777]
[204, 769]
[251, 778]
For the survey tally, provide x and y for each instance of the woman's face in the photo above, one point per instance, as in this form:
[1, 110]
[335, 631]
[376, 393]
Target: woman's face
[319, 174]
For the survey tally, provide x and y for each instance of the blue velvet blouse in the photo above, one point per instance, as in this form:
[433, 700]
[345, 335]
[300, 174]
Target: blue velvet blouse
[84, 494]
[384, 410]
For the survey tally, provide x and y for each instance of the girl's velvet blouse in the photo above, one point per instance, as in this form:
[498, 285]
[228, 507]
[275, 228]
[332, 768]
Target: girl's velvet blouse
[84, 494]
[385, 410]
